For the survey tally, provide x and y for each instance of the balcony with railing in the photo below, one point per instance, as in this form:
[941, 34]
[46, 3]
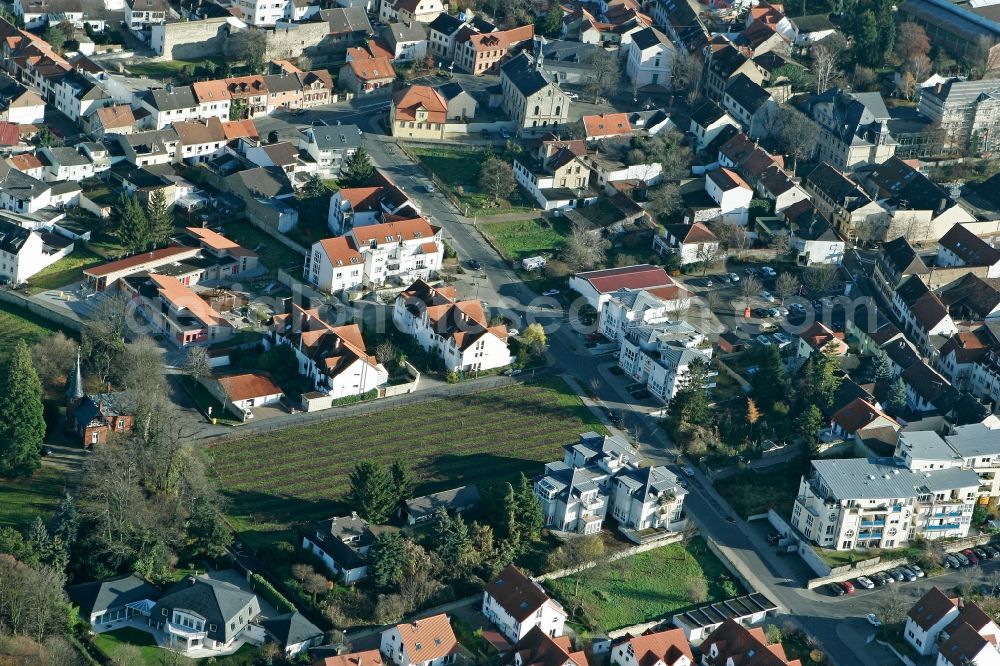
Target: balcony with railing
[942, 527]
[873, 523]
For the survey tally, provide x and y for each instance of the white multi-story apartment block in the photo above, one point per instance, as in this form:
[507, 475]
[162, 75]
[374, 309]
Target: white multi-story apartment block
[601, 476]
[457, 331]
[516, 605]
[661, 355]
[376, 254]
[975, 446]
[862, 503]
[632, 307]
[334, 358]
[24, 253]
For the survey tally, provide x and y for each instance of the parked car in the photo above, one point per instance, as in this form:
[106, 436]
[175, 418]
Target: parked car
[768, 272]
[751, 271]
[767, 296]
[774, 312]
[760, 313]
[734, 277]
[797, 308]
[915, 569]
[707, 282]
[896, 574]
[474, 265]
[878, 579]
[767, 327]
[980, 553]
[907, 574]
[429, 188]
[835, 590]
[782, 339]
[513, 331]
[971, 555]
[873, 620]
[782, 310]
[865, 582]
[504, 132]
[688, 470]
[572, 95]
[949, 562]
[962, 559]
[991, 551]
[763, 339]
[550, 292]
[848, 586]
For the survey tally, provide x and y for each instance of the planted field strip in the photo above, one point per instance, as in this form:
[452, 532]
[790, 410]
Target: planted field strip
[301, 473]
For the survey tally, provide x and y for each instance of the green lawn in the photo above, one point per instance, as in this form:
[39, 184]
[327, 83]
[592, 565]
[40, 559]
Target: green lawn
[110, 642]
[518, 239]
[163, 69]
[458, 170]
[66, 271]
[23, 499]
[17, 324]
[751, 492]
[300, 474]
[643, 587]
[273, 253]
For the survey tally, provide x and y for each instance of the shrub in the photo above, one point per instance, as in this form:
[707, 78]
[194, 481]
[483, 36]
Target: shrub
[453, 377]
[271, 595]
[281, 553]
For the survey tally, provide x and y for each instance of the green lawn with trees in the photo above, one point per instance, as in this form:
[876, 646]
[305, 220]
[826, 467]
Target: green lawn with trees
[651, 585]
[751, 492]
[517, 239]
[479, 179]
[17, 324]
[21, 500]
[310, 480]
[66, 271]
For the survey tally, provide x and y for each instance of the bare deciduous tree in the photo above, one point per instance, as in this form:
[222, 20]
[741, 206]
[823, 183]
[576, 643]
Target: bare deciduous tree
[750, 287]
[786, 285]
[197, 363]
[385, 351]
[54, 358]
[820, 279]
[584, 250]
[825, 62]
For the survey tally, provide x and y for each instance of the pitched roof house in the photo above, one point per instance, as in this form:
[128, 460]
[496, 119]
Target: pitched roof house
[669, 647]
[204, 614]
[418, 111]
[516, 605]
[342, 543]
[732, 643]
[429, 641]
[539, 649]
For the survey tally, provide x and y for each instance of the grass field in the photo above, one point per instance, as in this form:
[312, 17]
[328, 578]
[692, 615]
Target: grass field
[17, 324]
[643, 587]
[110, 642]
[301, 474]
[67, 270]
[23, 499]
[459, 171]
[518, 239]
[273, 253]
[170, 68]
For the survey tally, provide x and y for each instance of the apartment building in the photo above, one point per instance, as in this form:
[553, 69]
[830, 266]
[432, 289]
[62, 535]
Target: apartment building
[877, 503]
[660, 356]
[457, 331]
[967, 112]
[975, 447]
[855, 128]
[530, 98]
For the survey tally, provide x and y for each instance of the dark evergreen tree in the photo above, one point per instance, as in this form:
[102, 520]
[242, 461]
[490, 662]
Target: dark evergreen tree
[373, 493]
[359, 169]
[22, 425]
[159, 219]
[130, 224]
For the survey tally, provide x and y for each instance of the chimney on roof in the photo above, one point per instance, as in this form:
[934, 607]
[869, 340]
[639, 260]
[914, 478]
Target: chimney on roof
[354, 514]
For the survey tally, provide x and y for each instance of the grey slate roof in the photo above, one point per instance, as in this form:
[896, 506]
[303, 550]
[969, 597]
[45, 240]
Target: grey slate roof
[566, 52]
[218, 602]
[102, 595]
[282, 83]
[747, 93]
[522, 74]
[22, 186]
[66, 156]
[268, 182]
[330, 534]
[707, 113]
[12, 237]
[347, 19]
[396, 33]
[456, 498]
[451, 90]
[177, 97]
[650, 37]
[446, 24]
[975, 440]
[336, 136]
[291, 628]
[861, 478]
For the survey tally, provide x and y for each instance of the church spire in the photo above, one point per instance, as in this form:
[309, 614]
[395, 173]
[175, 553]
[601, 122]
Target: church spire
[75, 389]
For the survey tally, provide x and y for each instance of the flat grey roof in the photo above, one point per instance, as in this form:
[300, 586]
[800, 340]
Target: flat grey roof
[975, 440]
[860, 478]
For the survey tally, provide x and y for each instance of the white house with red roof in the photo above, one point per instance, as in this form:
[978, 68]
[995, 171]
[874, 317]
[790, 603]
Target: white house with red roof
[820, 338]
[370, 203]
[692, 243]
[397, 251]
[539, 649]
[240, 393]
[334, 358]
[927, 618]
[429, 641]
[858, 417]
[457, 331]
[516, 605]
[669, 648]
[598, 286]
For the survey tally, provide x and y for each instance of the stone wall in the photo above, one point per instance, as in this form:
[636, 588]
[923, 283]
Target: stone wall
[190, 40]
[292, 40]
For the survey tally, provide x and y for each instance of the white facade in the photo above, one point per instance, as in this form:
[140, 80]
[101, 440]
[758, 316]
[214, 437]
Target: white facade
[549, 616]
[628, 308]
[819, 251]
[924, 641]
[261, 13]
[348, 575]
[33, 255]
[652, 65]
[659, 356]
[732, 195]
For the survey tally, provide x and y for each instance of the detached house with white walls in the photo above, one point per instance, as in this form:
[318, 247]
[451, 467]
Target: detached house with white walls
[669, 648]
[457, 331]
[960, 247]
[516, 605]
[650, 59]
[24, 252]
[334, 358]
[429, 641]
[342, 543]
[732, 194]
[922, 313]
[692, 243]
[927, 618]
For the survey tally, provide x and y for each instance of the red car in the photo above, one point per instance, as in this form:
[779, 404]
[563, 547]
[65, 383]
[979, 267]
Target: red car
[969, 553]
[848, 586]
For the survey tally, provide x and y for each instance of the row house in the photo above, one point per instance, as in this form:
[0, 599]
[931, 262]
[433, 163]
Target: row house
[348, 27]
[364, 73]
[842, 201]
[985, 379]
[481, 53]
[284, 92]
[895, 263]
[812, 237]
[249, 94]
[871, 503]
[750, 104]
[333, 358]
[118, 119]
[957, 357]
[650, 59]
[22, 193]
[376, 254]
[659, 356]
[731, 193]
[214, 99]
[918, 208]
[406, 43]
[180, 314]
[967, 112]
[601, 476]
[724, 63]
[63, 163]
[972, 446]
[200, 141]
[922, 313]
[956, 631]
[708, 121]
[142, 15]
[457, 331]
[78, 96]
[927, 392]
[443, 33]
[18, 104]
[165, 106]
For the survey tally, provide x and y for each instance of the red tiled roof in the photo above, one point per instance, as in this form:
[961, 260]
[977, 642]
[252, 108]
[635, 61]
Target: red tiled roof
[640, 276]
[428, 638]
[163, 253]
[666, 646]
[10, 134]
[516, 593]
[365, 658]
[248, 385]
[409, 100]
[606, 124]
[372, 69]
[858, 414]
